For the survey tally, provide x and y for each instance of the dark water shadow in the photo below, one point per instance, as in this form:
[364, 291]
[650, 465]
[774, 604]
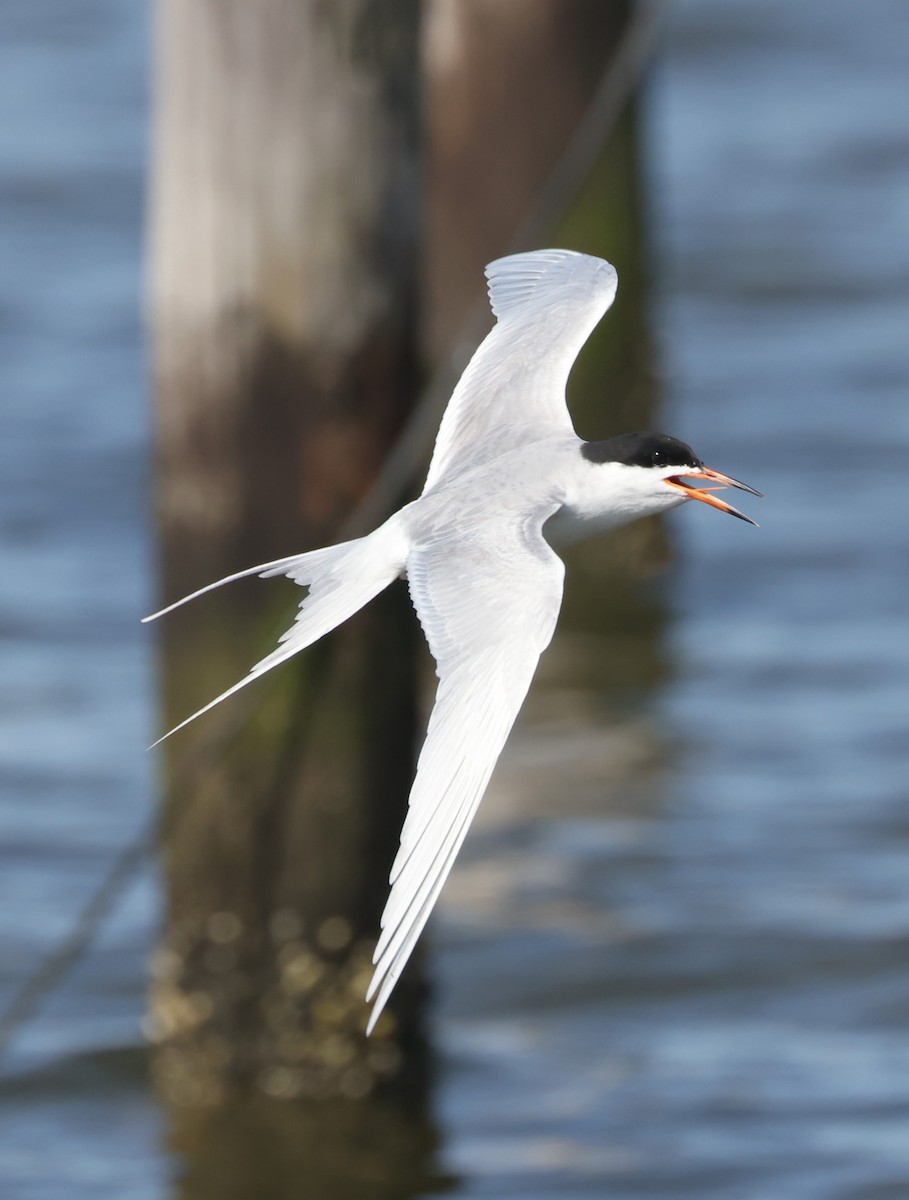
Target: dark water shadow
[337, 1149]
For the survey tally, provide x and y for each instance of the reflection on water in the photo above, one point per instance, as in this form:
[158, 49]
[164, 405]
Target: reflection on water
[673, 963]
[280, 1150]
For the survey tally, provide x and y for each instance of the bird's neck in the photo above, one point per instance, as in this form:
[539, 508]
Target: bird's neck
[603, 496]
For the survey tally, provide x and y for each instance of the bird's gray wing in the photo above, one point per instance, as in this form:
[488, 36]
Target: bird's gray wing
[546, 304]
[488, 602]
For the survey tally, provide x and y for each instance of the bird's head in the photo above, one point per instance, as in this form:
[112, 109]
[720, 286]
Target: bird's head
[657, 468]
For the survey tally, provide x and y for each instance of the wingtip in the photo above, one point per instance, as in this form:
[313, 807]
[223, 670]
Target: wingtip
[383, 985]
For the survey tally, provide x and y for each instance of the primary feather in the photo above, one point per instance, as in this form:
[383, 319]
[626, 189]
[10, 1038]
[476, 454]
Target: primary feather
[488, 600]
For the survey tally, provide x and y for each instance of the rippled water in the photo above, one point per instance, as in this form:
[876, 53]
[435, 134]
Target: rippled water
[674, 962]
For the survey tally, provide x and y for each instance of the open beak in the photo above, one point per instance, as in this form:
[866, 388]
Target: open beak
[706, 494]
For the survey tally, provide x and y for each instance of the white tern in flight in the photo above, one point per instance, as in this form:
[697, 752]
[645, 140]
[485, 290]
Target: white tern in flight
[509, 480]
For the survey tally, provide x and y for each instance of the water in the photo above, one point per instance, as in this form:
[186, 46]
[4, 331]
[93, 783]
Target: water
[684, 974]
[75, 686]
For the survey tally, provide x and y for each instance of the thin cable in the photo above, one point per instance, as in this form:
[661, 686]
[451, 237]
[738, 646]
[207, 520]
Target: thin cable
[73, 946]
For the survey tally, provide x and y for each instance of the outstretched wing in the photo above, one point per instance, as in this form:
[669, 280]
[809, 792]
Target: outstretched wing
[488, 601]
[546, 304]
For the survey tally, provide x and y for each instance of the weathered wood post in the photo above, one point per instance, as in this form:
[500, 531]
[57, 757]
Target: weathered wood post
[285, 226]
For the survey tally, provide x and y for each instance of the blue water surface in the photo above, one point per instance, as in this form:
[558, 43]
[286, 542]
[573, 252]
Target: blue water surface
[673, 962]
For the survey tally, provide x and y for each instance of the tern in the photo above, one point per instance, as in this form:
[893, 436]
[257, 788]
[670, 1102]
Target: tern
[508, 481]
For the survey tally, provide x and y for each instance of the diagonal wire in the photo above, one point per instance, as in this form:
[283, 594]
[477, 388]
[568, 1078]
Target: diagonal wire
[620, 79]
[55, 967]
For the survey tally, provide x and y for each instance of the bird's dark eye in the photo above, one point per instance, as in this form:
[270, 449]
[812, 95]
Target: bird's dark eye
[658, 458]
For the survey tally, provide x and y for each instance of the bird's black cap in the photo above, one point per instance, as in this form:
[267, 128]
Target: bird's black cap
[642, 450]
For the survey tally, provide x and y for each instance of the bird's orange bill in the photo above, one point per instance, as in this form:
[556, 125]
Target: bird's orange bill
[703, 494]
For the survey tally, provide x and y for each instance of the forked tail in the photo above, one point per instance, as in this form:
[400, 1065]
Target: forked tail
[341, 579]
